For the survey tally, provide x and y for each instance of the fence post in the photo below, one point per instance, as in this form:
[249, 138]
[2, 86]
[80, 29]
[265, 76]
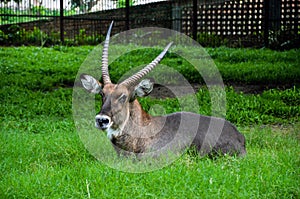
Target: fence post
[127, 14]
[195, 18]
[176, 16]
[266, 14]
[296, 19]
[61, 20]
[275, 15]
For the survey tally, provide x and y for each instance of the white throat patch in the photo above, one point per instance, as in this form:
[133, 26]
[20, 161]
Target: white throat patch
[116, 132]
[113, 133]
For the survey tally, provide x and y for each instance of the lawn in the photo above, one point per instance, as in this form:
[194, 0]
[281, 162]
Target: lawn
[42, 155]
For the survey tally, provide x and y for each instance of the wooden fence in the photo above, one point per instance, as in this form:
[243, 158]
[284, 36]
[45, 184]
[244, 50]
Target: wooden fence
[247, 22]
[236, 23]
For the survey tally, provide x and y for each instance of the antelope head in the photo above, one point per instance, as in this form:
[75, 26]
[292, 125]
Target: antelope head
[118, 99]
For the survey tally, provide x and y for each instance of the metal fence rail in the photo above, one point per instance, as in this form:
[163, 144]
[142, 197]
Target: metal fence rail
[238, 23]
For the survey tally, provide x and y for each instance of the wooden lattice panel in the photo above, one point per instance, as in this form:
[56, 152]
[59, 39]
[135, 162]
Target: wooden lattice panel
[290, 15]
[227, 18]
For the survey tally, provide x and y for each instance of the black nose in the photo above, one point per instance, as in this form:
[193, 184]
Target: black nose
[103, 122]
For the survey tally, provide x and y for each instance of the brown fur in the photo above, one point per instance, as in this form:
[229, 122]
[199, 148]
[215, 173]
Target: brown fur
[134, 131]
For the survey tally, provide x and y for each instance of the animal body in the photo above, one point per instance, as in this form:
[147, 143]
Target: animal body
[133, 131]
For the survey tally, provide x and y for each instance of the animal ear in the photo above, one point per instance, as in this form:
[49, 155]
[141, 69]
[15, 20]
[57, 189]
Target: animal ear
[90, 84]
[144, 88]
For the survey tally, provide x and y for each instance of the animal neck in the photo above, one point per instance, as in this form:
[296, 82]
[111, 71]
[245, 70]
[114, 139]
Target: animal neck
[138, 115]
[135, 134]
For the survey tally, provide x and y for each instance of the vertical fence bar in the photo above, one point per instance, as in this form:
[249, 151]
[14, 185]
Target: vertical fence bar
[296, 19]
[127, 14]
[195, 18]
[266, 14]
[61, 20]
[176, 16]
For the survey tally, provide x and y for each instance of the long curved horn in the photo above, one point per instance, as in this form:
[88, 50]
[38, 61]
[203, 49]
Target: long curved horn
[136, 77]
[105, 74]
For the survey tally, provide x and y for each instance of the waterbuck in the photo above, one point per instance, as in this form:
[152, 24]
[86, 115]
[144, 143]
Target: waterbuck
[133, 131]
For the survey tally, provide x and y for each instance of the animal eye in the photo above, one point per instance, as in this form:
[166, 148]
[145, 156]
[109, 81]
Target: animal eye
[122, 98]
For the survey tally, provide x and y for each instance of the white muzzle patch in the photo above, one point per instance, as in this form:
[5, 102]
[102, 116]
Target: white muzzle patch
[103, 122]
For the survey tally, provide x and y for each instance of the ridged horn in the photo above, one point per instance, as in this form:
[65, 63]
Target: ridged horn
[131, 81]
[105, 74]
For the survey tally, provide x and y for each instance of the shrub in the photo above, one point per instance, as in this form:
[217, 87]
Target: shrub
[211, 40]
[122, 3]
[15, 35]
[82, 38]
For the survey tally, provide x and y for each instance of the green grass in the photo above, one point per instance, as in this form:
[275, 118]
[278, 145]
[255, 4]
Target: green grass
[54, 164]
[258, 66]
[42, 155]
[241, 66]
